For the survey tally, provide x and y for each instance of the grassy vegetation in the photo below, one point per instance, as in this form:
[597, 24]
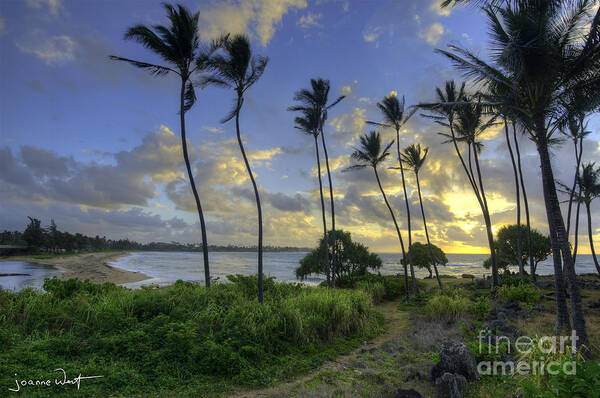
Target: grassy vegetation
[181, 340]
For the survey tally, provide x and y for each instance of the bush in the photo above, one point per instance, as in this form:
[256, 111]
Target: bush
[447, 307]
[481, 307]
[181, 335]
[393, 286]
[526, 293]
[376, 290]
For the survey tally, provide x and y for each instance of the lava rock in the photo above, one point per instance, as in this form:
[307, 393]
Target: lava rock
[407, 394]
[455, 357]
[450, 385]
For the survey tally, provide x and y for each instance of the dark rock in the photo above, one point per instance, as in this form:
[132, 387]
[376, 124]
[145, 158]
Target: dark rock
[360, 365]
[467, 276]
[450, 385]
[411, 373]
[455, 357]
[594, 304]
[501, 316]
[407, 394]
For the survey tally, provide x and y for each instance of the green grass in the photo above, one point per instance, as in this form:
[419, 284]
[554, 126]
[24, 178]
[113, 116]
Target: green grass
[182, 340]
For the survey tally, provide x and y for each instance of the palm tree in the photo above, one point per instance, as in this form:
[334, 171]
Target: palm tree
[465, 120]
[238, 69]
[415, 157]
[395, 116]
[539, 55]
[309, 123]
[370, 154]
[179, 46]
[317, 98]
[589, 184]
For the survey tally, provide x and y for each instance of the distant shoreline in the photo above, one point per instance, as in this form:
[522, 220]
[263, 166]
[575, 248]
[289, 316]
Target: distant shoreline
[92, 266]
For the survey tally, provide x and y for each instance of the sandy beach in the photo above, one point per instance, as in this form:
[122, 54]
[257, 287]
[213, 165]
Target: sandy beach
[92, 266]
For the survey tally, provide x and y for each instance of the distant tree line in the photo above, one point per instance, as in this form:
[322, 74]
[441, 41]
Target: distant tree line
[37, 239]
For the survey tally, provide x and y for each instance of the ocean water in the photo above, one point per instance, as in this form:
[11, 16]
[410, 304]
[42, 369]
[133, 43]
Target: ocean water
[166, 267]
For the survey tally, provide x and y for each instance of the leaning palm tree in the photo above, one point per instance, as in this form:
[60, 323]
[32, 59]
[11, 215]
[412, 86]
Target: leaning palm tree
[540, 54]
[238, 69]
[414, 156]
[589, 184]
[309, 123]
[317, 97]
[395, 116]
[464, 118]
[370, 154]
[179, 46]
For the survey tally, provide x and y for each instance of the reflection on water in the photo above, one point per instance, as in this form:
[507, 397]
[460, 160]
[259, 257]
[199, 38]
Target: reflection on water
[35, 278]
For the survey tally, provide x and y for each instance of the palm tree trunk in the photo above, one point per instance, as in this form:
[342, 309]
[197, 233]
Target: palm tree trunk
[577, 211]
[553, 214]
[589, 219]
[481, 204]
[437, 275]
[397, 231]
[192, 183]
[410, 261]
[323, 213]
[578, 156]
[532, 264]
[488, 222]
[512, 159]
[332, 266]
[256, 195]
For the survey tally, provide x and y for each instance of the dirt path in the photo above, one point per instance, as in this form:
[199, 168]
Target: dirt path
[351, 374]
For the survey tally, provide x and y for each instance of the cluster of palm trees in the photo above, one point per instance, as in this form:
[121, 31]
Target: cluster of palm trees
[543, 74]
[542, 78]
[227, 62]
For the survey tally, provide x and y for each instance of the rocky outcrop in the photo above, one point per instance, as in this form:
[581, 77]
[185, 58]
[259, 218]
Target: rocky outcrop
[407, 394]
[455, 357]
[450, 385]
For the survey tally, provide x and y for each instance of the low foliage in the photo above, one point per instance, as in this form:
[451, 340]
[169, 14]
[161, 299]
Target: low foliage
[526, 293]
[446, 306]
[179, 338]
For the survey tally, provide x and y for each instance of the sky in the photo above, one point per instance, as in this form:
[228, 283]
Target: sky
[94, 144]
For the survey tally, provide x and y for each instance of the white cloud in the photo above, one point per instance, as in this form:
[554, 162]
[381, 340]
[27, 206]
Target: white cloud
[372, 34]
[53, 5]
[436, 6]
[214, 130]
[346, 90]
[255, 17]
[433, 33]
[309, 20]
[53, 51]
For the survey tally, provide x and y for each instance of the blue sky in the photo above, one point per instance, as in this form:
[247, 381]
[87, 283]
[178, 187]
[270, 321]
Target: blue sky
[94, 143]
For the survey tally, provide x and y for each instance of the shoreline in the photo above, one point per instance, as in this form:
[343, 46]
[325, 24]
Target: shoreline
[92, 266]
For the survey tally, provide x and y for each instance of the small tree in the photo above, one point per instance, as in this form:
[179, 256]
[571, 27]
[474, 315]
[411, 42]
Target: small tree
[421, 256]
[506, 244]
[352, 258]
[34, 234]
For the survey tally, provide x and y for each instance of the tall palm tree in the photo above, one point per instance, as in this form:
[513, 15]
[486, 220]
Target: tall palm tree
[525, 202]
[238, 69]
[309, 123]
[589, 183]
[464, 118]
[317, 97]
[414, 156]
[179, 46]
[370, 154]
[539, 54]
[395, 116]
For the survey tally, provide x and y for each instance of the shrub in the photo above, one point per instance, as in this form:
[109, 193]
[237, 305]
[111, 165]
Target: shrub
[481, 307]
[181, 335]
[447, 307]
[376, 290]
[526, 293]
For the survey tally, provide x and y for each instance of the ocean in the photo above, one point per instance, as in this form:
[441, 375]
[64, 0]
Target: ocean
[167, 267]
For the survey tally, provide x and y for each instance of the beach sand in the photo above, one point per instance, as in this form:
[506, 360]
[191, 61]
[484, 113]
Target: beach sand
[92, 266]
